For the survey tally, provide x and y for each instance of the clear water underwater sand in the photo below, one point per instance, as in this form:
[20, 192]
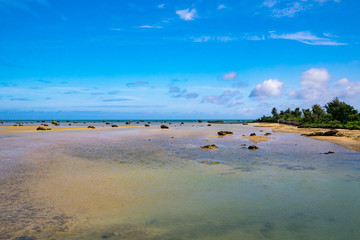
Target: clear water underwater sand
[118, 184]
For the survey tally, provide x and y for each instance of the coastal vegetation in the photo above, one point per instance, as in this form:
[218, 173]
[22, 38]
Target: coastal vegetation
[335, 114]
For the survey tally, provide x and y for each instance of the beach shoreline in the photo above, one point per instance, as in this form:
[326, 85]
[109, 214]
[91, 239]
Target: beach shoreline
[349, 139]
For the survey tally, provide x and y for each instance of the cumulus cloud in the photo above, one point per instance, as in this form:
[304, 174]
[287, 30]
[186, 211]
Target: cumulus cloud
[269, 88]
[315, 78]
[342, 82]
[315, 83]
[226, 98]
[136, 84]
[187, 14]
[229, 76]
[307, 38]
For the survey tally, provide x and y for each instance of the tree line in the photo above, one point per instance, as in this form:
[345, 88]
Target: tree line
[335, 114]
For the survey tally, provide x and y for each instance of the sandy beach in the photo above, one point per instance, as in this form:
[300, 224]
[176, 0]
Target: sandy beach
[346, 138]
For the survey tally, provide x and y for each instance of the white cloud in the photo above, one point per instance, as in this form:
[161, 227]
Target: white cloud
[255, 38]
[229, 76]
[269, 88]
[187, 14]
[269, 3]
[307, 38]
[221, 6]
[315, 78]
[342, 82]
[161, 5]
[315, 86]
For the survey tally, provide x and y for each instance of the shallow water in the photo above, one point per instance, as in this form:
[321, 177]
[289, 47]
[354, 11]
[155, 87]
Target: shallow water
[148, 185]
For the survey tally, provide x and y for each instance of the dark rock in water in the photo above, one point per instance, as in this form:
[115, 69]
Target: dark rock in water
[107, 123]
[114, 125]
[200, 121]
[25, 238]
[215, 121]
[128, 122]
[223, 133]
[46, 125]
[252, 134]
[67, 121]
[245, 124]
[329, 152]
[328, 133]
[41, 129]
[1, 122]
[212, 146]
[209, 125]
[91, 127]
[253, 147]
[164, 126]
[147, 125]
[182, 123]
[69, 124]
[267, 134]
[210, 162]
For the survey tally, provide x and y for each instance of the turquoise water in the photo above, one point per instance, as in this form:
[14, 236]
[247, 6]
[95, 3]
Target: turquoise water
[285, 190]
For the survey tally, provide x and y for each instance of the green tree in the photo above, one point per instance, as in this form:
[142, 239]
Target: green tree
[275, 113]
[341, 111]
[317, 112]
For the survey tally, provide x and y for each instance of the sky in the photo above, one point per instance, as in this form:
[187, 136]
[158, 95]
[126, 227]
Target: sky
[188, 59]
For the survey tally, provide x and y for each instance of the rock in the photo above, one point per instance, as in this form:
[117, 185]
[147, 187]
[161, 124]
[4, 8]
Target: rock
[164, 126]
[328, 133]
[209, 125]
[182, 123]
[267, 134]
[245, 124]
[200, 121]
[212, 146]
[329, 152]
[1, 122]
[54, 122]
[107, 123]
[253, 147]
[46, 125]
[48, 129]
[210, 162]
[252, 134]
[41, 129]
[147, 125]
[69, 124]
[216, 121]
[128, 122]
[92, 127]
[67, 121]
[223, 133]
[114, 125]
[25, 238]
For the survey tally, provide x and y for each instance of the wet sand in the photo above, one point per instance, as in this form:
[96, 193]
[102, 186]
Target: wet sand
[347, 138]
[23, 129]
[148, 183]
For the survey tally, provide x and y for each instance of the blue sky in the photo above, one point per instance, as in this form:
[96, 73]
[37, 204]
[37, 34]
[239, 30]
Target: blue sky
[175, 59]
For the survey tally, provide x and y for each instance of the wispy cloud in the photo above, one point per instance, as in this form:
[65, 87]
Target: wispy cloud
[137, 84]
[229, 76]
[149, 26]
[221, 6]
[226, 98]
[269, 3]
[213, 39]
[117, 100]
[162, 5]
[177, 92]
[115, 29]
[19, 99]
[187, 14]
[307, 38]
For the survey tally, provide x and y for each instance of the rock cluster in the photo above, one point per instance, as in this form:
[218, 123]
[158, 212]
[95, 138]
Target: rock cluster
[212, 146]
[164, 126]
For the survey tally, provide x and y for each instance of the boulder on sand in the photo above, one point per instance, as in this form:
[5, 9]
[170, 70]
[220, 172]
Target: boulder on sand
[223, 133]
[252, 134]
[92, 127]
[164, 126]
[253, 147]
[41, 129]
